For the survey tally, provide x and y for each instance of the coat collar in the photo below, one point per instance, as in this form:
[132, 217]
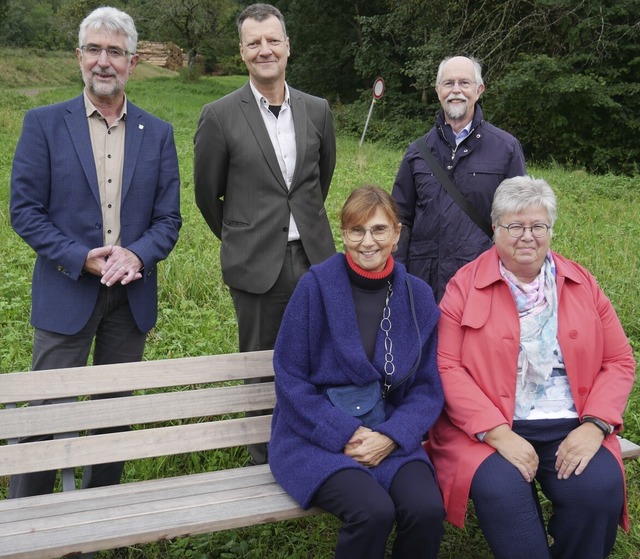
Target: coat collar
[488, 271]
[251, 112]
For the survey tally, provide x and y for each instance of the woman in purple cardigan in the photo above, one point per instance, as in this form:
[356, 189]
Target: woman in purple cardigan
[359, 323]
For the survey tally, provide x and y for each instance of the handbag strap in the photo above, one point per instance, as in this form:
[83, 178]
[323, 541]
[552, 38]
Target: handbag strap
[457, 196]
[415, 322]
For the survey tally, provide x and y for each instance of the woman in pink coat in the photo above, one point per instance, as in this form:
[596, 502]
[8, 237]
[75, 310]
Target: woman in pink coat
[536, 372]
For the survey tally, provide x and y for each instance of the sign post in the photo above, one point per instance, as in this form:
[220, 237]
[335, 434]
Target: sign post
[378, 90]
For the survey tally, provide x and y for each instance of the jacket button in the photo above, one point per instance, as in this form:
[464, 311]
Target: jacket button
[582, 391]
[573, 334]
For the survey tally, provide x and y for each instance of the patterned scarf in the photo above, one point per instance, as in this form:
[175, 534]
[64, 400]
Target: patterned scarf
[537, 304]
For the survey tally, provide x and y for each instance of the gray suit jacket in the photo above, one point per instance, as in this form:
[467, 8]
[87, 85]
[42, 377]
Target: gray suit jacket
[242, 195]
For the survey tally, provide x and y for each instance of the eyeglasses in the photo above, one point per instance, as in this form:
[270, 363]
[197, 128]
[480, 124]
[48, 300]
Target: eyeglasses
[378, 232]
[462, 84]
[113, 53]
[516, 230]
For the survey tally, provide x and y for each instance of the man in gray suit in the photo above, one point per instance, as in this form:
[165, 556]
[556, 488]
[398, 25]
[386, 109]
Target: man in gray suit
[264, 158]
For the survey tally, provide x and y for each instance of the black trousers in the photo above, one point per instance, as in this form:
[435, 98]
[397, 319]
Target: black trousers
[117, 340]
[260, 315]
[413, 503]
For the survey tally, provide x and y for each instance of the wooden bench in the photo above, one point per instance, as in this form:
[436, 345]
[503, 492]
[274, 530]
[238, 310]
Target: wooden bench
[194, 416]
[178, 406]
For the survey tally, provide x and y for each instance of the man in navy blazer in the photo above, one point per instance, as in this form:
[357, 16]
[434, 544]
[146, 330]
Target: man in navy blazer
[95, 191]
[264, 159]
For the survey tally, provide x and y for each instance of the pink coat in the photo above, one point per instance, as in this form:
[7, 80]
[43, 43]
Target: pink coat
[478, 341]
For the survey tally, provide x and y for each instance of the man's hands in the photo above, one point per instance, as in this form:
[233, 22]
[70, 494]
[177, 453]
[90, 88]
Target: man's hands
[368, 447]
[114, 264]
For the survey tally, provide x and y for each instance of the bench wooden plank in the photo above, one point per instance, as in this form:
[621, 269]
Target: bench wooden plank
[148, 515]
[131, 445]
[135, 410]
[125, 377]
[629, 449]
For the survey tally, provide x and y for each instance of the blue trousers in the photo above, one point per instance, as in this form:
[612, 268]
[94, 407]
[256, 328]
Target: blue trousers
[368, 512]
[585, 508]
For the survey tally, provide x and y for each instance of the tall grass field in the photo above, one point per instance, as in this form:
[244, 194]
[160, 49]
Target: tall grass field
[598, 225]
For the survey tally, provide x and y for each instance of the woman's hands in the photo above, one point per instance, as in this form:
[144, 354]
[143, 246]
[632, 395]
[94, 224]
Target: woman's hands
[577, 450]
[368, 447]
[573, 455]
[512, 447]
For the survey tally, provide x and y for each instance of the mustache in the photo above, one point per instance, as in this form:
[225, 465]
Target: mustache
[455, 97]
[103, 72]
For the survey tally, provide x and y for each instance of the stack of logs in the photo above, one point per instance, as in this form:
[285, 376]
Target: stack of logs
[167, 55]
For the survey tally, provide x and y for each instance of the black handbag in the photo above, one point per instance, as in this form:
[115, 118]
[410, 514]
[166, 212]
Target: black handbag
[457, 196]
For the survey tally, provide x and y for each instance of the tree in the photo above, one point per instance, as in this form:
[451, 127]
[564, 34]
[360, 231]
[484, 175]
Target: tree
[198, 26]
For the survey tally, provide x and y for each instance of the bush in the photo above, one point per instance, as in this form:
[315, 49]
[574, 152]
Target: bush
[575, 117]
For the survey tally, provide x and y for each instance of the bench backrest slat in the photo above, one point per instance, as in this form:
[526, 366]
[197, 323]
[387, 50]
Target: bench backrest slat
[123, 377]
[135, 410]
[132, 445]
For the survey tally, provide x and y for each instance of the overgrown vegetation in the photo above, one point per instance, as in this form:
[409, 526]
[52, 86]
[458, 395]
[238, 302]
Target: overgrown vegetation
[563, 76]
[599, 226]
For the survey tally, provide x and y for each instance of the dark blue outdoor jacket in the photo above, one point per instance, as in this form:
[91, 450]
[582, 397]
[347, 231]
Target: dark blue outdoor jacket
[438, 237]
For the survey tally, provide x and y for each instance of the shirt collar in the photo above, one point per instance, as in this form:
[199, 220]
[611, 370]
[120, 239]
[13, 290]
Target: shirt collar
[463, 133]
[91, 109]
[261, 99]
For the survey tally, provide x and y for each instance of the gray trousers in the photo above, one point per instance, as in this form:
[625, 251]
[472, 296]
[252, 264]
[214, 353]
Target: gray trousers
[117, 340]
[260, 315]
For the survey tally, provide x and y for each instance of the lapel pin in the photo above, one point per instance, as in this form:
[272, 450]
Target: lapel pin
[141, 126]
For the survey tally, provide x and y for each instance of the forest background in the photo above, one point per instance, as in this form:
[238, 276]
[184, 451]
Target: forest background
[562, 75]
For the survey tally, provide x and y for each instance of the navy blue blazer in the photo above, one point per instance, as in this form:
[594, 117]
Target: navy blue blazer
[55, 208]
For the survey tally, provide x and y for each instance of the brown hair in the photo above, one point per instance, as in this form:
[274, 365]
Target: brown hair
[260, 12]
[363, 202]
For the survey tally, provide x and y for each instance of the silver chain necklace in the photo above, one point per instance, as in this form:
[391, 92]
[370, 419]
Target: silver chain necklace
[385, 325]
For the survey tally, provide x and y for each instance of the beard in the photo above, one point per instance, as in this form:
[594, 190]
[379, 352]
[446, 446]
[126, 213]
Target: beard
[456, 111]
[112, 88]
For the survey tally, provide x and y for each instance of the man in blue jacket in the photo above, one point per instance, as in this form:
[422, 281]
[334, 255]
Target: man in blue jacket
[95, 192]
[438, 236]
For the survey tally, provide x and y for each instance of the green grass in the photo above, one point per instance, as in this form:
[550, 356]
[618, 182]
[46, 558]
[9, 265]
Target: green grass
[599, 226]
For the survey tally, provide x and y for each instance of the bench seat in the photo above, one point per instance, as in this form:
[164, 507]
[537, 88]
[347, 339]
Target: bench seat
[107, 517]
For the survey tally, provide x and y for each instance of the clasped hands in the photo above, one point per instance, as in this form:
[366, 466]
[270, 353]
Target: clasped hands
[368, 447]
[573, 454]
[114, 264]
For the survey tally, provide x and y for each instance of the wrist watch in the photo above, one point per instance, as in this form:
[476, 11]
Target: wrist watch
[602, 425]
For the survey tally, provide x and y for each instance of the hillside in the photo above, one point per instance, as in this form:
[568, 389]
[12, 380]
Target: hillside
[31, 68]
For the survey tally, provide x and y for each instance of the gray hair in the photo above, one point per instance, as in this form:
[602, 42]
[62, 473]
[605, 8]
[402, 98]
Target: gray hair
[113, 21]
[518, 194]
[477, 68]
[260, 12]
